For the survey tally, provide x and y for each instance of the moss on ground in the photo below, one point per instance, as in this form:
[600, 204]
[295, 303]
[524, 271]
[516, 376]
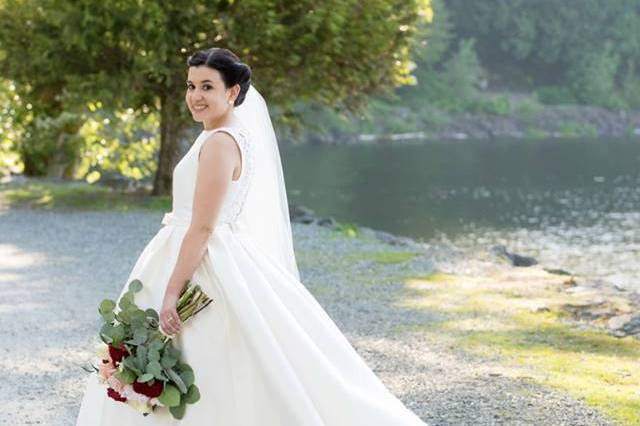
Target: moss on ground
[497, 317]
[384, 257]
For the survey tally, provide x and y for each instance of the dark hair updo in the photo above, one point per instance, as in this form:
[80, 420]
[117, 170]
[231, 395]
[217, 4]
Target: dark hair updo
[226, 62]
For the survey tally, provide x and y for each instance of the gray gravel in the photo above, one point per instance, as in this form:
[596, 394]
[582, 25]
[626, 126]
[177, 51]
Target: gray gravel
[56, 266]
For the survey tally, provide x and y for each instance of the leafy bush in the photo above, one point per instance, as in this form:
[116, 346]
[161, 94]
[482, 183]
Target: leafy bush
[556, 95]
[51, 144]
[528, 108]
[630, 92]
[496, 105]
[13, 115]
[592, 79]
[124, 143]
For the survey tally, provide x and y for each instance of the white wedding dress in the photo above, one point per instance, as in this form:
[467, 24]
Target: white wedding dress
[264, 352]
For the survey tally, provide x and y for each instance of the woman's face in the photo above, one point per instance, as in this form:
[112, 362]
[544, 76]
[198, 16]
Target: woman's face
[206, 96]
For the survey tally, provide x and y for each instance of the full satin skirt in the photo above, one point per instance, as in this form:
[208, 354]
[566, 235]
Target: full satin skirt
[264, 352]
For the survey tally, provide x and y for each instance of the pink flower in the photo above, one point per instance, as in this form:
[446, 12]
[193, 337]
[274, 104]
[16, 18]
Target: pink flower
[106, 369]
[115, 383]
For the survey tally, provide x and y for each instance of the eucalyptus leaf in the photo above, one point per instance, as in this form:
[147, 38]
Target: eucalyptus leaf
[126, 301]
[140, 336]
[125, 375]
[177, 379]
[106, 339]
[135, 286]
[118, 333]
[106, 330]
[153, 355]
[130, 363]
[124, 317]
[106, 306]
[108, 317]
[151, 313]
[155, 345]
[186, 374]
[193, 395]
[141, 356]
[175, 353]
[142, 351]
[170, 396]
[154, 368]
[145, 377]
[178, 411]
[168, 361]
[138, 317]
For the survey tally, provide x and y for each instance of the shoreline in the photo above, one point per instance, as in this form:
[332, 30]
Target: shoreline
[584, 301]
[524, 122]
[593, 303]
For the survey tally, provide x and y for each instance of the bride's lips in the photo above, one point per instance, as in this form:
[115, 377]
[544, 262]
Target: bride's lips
[199, 107]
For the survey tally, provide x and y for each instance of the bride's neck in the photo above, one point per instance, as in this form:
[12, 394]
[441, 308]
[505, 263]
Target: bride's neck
[228, 120]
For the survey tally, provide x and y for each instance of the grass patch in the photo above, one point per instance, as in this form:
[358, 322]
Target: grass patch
[77, 196]
[436, 277]
[384, 257]
[350, 230]
[492, 317]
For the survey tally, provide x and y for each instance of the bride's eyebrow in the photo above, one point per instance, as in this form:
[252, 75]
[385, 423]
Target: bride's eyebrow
[203, 81]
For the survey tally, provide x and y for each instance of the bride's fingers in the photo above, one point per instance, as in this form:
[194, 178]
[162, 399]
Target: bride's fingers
[166, 328]
[171, 325]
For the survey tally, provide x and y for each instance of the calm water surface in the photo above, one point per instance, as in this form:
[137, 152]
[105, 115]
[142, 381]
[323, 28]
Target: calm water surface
[573, 204]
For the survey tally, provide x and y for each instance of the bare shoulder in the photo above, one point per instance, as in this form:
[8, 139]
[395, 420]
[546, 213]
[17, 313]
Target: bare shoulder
[219, 144]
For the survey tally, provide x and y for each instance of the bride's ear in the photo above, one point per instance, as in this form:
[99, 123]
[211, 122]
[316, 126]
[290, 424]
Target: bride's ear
[235, 92]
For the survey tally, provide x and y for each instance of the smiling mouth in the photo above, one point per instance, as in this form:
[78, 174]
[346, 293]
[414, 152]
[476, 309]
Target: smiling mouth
[199, 107]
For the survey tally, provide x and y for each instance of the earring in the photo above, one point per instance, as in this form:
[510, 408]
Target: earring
[230, 102]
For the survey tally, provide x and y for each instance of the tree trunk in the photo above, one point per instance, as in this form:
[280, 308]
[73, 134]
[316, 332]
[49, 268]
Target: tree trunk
[170, 126]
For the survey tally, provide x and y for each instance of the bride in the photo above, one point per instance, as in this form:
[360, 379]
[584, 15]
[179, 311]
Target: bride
[264, 353]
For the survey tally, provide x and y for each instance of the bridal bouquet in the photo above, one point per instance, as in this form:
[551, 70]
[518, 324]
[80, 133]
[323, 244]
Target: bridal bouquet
[138, 362]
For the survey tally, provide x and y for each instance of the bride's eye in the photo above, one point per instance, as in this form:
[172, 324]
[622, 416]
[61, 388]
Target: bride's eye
[206, 86]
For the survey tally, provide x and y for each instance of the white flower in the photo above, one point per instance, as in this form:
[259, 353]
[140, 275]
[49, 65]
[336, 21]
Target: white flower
[133, 395]
[141, 406]
[102, 351]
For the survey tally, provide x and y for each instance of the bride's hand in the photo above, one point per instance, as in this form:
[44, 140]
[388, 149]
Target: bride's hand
[169, 320]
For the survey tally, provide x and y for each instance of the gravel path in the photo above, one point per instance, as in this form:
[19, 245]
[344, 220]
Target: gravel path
[56, 266]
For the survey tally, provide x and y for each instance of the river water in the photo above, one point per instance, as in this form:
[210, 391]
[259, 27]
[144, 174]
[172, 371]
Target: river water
[572, 204]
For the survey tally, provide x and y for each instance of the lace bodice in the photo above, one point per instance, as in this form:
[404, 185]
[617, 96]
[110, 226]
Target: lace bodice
[185, 173]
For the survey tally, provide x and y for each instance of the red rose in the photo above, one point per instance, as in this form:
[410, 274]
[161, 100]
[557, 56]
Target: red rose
[149, 390]
[115, 395]
[117, 353]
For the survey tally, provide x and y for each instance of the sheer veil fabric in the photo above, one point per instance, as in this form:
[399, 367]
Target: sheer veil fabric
[265, 215]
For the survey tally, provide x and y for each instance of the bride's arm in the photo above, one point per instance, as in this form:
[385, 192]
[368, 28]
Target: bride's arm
[218, 158]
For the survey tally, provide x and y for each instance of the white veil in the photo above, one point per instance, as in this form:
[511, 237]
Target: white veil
[265, 214]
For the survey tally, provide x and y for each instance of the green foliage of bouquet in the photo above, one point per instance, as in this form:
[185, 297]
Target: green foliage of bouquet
[138, 362]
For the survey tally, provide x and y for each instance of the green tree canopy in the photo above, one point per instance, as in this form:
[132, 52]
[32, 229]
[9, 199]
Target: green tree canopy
[127, 53]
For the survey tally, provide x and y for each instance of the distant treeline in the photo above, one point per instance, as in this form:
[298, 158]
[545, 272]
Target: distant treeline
[566, 52]
[478, 56]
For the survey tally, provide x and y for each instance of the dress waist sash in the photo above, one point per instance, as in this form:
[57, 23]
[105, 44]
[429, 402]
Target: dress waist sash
[171, 219]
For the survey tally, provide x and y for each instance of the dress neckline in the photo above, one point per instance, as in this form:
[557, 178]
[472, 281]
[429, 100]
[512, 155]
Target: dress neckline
[236, 127]
[240, 130]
